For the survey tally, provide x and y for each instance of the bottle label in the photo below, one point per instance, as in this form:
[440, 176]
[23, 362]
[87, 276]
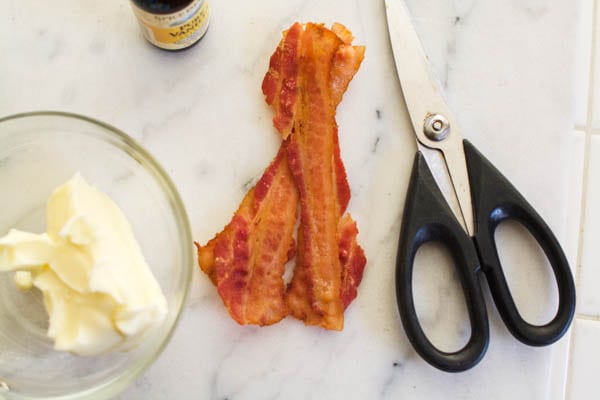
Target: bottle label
[177, 30]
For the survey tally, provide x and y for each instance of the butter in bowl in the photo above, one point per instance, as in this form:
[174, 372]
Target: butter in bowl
[95, 257]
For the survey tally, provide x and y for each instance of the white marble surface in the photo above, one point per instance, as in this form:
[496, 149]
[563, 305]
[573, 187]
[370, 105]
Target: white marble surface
[508, 71]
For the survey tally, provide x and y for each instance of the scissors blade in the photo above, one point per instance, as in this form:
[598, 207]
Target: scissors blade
[423, 97]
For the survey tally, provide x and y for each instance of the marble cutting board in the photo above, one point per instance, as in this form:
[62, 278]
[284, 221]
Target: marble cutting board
[508, 74]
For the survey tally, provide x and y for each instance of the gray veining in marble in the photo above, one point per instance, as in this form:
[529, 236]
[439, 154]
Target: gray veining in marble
[507, 70]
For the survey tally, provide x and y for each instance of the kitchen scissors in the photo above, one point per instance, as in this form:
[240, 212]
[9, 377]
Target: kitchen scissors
[485, 198]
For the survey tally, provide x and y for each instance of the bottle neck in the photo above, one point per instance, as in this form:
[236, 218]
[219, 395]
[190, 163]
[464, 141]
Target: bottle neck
[162, 6]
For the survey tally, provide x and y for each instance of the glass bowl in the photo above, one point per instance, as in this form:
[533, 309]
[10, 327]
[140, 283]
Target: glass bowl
[38, 152]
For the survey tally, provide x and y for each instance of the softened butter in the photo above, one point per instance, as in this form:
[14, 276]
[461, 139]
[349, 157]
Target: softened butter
[98, 290]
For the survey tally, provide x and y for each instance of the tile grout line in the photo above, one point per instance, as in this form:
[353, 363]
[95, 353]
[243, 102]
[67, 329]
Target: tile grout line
[586, 317]
[587, 144]
[586, 163]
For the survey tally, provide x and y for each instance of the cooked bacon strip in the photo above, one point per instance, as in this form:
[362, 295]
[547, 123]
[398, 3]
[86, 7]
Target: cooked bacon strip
[340, 177]
[346, 62]
[330, 262]
[247, 259]
[280, 87]
[280, 83]
[314, 292]
[352, 259]
[206, 253]
[342, 32]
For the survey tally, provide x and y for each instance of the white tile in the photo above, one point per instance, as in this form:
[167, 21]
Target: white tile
[560, 350]
[596, 71]
[583, 51]
[585, 361]
[574, 192]
[589, 274]
[559, 370]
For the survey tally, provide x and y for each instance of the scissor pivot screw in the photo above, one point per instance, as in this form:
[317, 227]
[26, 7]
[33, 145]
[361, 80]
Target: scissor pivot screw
[436, 127]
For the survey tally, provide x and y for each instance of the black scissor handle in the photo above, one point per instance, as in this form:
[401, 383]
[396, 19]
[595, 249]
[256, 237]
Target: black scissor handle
[495, 200]
[427, 217]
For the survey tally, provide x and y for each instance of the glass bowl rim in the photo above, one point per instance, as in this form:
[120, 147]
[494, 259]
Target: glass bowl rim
[132, 148]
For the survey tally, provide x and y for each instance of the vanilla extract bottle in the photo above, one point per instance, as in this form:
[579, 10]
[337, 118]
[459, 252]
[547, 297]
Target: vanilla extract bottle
[172, 24]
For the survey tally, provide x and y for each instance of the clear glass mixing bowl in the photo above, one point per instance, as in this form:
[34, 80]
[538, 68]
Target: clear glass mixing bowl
[38, 152]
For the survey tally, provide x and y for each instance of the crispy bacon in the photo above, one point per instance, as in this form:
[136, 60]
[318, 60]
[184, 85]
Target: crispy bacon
[314, 292]
[307, 77]
[246, 260]
[346, 61]
[342, 33]
[314, 150]
[280, 84]
[329, 267]
[352, 259]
